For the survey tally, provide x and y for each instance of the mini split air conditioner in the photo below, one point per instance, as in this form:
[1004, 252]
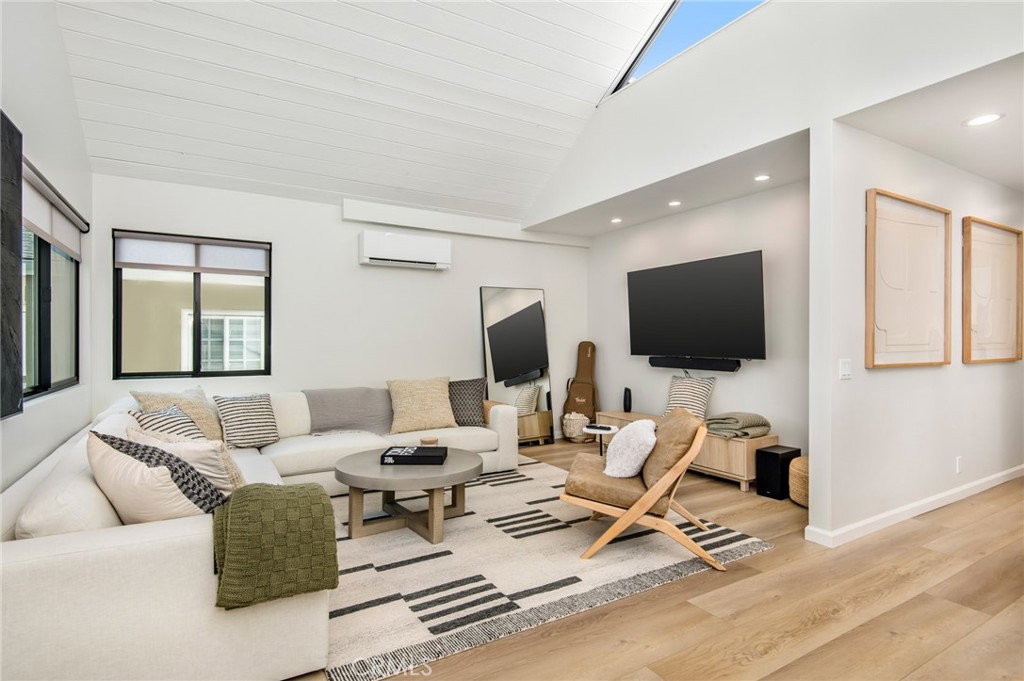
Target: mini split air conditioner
[404, 250]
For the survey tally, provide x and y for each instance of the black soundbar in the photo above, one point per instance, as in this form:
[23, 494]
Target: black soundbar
[695, 363]
[536, 373]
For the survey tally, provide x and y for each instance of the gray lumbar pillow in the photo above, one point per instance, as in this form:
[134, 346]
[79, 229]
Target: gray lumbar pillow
[628, 451]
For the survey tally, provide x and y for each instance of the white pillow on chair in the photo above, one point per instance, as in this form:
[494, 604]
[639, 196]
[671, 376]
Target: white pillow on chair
[629, 449]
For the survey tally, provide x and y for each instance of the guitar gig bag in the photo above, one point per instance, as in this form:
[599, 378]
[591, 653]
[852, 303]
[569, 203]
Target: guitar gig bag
[581, 391]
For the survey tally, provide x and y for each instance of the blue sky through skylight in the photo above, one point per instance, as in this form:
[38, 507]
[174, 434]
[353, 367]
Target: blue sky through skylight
[691, 21]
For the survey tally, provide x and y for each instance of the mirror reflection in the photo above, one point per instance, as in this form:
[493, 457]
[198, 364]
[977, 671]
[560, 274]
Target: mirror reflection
[516, 357]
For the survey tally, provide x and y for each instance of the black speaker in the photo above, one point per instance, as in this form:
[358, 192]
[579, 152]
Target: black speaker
[627, 400]
[695, 363]
[773, 470]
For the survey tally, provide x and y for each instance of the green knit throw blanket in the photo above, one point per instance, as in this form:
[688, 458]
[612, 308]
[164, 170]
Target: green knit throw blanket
[273, 541]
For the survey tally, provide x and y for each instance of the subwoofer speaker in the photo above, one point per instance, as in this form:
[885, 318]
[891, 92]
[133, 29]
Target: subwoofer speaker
[772, 465]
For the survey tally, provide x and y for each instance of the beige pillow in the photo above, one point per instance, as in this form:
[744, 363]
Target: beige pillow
[144, 483]
[419, 405]
[209, 457]
[674, 436]
[192, 401]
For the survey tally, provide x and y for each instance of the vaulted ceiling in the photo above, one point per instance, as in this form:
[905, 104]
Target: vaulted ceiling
[465, 107]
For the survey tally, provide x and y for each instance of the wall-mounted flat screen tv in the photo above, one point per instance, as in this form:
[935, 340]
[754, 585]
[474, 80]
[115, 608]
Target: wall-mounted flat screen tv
[707, 308]
[519, 344]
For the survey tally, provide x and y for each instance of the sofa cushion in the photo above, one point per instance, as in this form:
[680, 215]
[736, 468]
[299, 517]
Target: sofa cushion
[587, 479]
[469, 438]
[192, 401]
[419, 405]
[467, 398]
[146, 483]
[315, 453]
[209, 457]
[67, 500]
[291, 412]
[255, 467]
[248, 420]
[350, 409]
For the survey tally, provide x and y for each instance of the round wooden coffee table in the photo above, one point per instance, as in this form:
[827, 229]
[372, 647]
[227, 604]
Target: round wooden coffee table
[364, 471]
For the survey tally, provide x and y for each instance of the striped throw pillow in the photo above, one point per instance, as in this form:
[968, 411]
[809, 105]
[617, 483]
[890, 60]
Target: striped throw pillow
[248, 420]
[690, 392]
[171, 420]
[526, 401]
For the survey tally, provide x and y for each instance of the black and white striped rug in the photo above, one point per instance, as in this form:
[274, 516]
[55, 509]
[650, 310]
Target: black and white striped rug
[511, 563]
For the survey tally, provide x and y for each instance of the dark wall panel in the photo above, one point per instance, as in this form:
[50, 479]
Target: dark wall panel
[10, 267]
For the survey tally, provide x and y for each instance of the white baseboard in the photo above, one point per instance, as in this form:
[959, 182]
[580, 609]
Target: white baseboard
[865, 527]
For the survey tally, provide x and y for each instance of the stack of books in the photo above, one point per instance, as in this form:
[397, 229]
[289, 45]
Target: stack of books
[418, 456]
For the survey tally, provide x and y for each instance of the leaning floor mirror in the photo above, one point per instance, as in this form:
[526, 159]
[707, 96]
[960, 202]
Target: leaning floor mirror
[516, 356]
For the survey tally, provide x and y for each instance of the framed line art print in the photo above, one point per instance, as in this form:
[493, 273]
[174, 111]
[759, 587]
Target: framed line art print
[907, 282]
[992, 291]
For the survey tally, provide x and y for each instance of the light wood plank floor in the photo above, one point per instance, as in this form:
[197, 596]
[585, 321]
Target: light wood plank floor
[940, 596]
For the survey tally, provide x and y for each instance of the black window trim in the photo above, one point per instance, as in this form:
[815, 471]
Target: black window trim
[197, 371]
[44, 339]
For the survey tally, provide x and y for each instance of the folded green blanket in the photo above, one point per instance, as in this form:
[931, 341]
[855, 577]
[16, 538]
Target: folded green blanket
[273, 541]
[738, 424]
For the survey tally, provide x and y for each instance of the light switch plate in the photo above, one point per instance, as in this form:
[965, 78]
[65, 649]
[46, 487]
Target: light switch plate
[845, 370]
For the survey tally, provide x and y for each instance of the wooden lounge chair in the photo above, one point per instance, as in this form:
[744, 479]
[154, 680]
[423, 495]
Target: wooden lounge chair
[646, 498]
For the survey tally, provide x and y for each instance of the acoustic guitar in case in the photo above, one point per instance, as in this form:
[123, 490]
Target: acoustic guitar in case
[581, 391]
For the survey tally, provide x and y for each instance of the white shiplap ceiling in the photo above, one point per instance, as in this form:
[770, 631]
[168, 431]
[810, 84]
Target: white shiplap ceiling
[463, 107]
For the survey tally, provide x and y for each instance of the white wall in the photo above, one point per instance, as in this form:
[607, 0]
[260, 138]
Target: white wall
[895, 432]
[336, 323]
[37, 95]
[782, 68]
[775, 222]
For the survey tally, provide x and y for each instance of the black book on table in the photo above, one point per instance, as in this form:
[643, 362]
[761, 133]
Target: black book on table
[414, 456]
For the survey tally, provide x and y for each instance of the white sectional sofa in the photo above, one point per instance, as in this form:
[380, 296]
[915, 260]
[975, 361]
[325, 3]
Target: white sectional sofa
[102, 600]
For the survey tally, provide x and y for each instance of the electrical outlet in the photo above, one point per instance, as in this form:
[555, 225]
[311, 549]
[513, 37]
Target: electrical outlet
[958, 464]
[845, 370]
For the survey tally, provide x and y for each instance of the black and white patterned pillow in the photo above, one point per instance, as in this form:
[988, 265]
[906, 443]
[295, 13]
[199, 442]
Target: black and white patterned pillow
[690, 392]
[467, 398]
[248, 420]
[526, 401]
[138, 487]
[171, 420]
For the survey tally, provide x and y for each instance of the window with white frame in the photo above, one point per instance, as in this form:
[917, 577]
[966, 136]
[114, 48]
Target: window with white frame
[163, 283]
[228, 341]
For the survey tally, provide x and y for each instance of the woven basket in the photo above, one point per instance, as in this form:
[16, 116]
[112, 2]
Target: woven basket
[798, 481]
[572, 428]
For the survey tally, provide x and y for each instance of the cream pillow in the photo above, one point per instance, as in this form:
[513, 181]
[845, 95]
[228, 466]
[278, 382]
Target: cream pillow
[629, 449]
[526, 400]
[419, 405]
[192, 401]
[145, 483]
[209, 457]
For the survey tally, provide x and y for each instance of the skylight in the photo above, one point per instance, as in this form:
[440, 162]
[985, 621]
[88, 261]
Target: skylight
[685, 24]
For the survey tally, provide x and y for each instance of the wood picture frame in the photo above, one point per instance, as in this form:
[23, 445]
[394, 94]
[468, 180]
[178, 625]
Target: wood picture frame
[993, 282]
[907, 282]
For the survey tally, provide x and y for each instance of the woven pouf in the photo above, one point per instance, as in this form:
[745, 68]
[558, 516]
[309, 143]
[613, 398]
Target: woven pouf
[798, 481]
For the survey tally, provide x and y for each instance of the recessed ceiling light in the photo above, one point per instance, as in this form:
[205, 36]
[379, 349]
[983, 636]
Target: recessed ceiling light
[983, 120]
[762, 178]
[675, 203]
[616, 221]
